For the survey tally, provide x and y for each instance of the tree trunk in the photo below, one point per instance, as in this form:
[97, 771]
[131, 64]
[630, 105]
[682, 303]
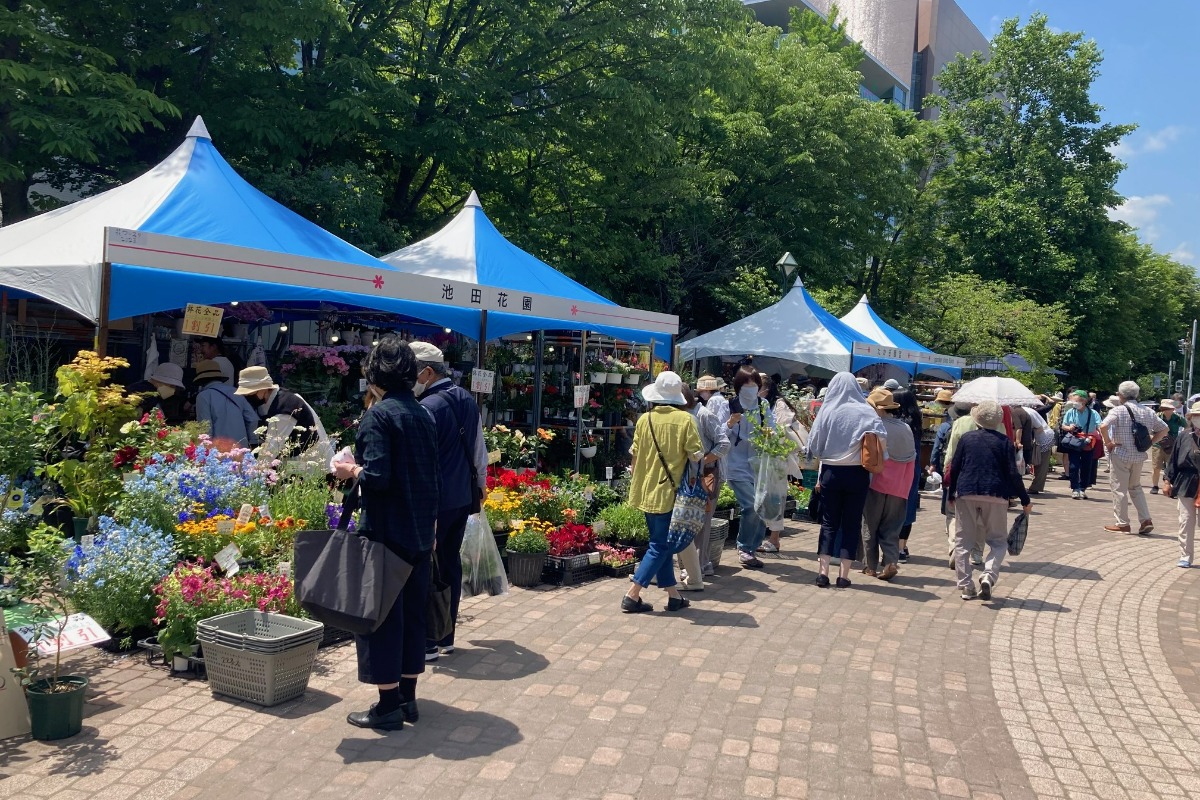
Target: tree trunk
[14, 201]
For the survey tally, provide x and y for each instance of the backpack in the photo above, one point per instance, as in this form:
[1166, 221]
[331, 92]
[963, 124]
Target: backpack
[872, 453]
[1141, 434]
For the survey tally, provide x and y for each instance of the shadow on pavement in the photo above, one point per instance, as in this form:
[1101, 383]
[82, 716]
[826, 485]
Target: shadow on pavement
[87, 753]
[1025, 604]
[443, 732]
[736, 587]
[714, 618]
[491, 660]
[1048, 569]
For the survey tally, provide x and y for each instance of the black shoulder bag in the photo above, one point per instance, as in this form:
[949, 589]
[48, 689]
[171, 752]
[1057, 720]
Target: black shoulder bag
[462, 437]
[1141, 434]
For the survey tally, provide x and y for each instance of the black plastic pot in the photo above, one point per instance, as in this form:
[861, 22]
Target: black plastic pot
[56, 715]
[525, 569]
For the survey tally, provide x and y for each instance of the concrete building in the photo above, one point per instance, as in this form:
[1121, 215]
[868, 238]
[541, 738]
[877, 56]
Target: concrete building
[907, 42]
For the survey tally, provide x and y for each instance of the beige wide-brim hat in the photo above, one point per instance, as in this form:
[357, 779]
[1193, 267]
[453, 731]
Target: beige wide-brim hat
[1112, 402]
[882, 400]
[667, 389]
[1194, 411]
[708, 383]
[1168, 405]
[209, 370]
[944, 396]
[988, 414]
[254, 379]
[1057, 397]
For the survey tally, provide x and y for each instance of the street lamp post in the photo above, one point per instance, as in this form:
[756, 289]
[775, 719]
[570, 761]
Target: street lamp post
[787, 267]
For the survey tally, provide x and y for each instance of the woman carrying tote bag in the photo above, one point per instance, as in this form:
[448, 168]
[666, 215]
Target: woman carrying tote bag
[664, 440]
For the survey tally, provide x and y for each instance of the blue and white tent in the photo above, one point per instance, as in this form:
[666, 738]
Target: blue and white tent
[470, 249]
[864, 321]
[796, 329]
[193, 194]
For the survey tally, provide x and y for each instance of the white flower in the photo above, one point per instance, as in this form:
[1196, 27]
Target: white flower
[129, 427]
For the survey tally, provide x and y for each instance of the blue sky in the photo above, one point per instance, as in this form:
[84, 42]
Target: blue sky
[1148, 78]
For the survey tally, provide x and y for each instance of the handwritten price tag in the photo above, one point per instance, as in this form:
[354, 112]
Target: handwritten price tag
[78, 631]
[227, 560]
[581, 395]
[201, 320]
[482, 381]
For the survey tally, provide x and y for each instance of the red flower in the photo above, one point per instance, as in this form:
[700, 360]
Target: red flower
[126, 455]
[169, 458]
[162, 434]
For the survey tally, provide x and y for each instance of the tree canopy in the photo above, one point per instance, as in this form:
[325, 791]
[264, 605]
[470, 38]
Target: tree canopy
[664, 158]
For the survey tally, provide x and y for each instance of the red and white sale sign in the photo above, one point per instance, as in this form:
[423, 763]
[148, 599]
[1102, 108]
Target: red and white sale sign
[79, 631]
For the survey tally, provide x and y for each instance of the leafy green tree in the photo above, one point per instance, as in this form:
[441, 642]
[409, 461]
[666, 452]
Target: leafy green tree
[60, 100]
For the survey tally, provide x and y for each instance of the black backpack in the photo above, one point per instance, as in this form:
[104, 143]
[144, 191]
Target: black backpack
[1141, 434]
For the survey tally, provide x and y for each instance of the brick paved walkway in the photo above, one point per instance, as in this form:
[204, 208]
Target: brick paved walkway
[1078, 680]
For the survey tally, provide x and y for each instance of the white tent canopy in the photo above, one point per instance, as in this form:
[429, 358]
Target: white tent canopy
[796, 329]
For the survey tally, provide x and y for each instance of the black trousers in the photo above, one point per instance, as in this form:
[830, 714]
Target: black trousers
[843, 495]
[398, 646]
[451, 527]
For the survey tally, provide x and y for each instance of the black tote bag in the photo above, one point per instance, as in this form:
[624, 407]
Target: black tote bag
[439, 622]
[344, 579]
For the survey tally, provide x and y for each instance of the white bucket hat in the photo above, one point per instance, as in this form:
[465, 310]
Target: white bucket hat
[254, 379]
[168, 373]
[666, 389]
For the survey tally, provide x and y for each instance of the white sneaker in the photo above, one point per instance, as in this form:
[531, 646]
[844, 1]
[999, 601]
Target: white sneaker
[1083, 495]
[1076, 495]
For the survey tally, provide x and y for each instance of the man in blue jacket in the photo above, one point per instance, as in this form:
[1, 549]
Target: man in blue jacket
[463, 459]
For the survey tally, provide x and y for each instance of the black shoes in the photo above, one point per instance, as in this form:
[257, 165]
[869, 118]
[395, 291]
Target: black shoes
[676, 603]
[904, 556]
[385, 722]
[842, 583]
[631, 606]
[822, 581]
[410, 712]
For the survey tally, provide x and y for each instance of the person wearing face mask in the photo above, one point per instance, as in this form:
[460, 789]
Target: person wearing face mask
[164, 390]
[709, 389]
[270, 401]
[1160, 454]
[1181, 479]
[462, 457]
[739, 473]
[1080, 417]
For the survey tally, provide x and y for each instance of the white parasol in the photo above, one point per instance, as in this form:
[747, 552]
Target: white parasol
[1005, 391]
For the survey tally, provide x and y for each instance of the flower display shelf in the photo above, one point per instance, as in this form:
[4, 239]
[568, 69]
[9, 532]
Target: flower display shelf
[572, 570]
[620, 572]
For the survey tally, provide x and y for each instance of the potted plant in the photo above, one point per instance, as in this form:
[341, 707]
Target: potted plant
[598, 369]
[527, 548]
[587, 445]
[55, 700]
[313, 372]
[625, 525]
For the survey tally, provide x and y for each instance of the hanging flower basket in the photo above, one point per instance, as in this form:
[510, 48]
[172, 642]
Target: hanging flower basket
[599, 377]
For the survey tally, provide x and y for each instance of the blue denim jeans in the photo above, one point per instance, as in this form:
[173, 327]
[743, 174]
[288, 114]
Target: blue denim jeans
[659, 561]
[751, 529]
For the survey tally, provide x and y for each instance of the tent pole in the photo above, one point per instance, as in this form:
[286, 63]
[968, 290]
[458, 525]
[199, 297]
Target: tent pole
[651, 358]
[579, 411]
[105, 300]
[4, 332]
[539, 345]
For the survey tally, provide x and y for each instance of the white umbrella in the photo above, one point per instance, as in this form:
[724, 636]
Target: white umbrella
[1004, 391]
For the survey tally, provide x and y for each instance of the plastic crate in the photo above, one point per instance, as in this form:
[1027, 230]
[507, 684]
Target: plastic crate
[620, 572]
[266, 679]
[716, 540]
[571, 570]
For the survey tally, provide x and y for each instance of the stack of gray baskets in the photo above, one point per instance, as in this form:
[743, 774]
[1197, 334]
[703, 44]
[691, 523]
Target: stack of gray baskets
[716, 541]
[258, 656]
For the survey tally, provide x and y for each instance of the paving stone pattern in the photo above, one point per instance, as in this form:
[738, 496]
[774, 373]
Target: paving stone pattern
[1079, 680]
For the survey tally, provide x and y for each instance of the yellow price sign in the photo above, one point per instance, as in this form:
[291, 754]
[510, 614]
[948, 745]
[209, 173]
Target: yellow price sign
[201, 320]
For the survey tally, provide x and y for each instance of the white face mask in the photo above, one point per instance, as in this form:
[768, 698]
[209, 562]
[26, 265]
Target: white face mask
[748, 396]
[420, 386]
[1195, 422]
[166, 392]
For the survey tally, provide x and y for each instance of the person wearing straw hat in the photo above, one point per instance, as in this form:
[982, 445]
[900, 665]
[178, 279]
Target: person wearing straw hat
[983, 476]
[1181, 480]
[1160, 453]
[164, 390]
[887, 500]
[665, 439]
[231, 420]
[270, 401]
[709, 390]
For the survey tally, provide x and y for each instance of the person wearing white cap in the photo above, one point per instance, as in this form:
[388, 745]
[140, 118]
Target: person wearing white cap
[462, 457]
[1181, 480]
[163, 390]
[1160, 454]
[665, 439]
[709, 390]
[1126, 457]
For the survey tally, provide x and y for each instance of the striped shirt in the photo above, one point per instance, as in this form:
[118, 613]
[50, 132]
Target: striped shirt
[1119, 427]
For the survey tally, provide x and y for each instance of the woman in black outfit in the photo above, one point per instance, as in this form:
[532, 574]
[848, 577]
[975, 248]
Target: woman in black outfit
[396, 467]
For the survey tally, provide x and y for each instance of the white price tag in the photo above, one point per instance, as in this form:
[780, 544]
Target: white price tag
[87, 541]
[608, 473]
[581, 395]
[362, 384]
[244, 515]
[285, 569]
[482, 381]
[225, 527]
[201, 320]
[227, 559]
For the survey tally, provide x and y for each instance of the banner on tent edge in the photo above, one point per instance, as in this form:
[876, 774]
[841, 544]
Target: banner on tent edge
[899, 354]
[177, 254]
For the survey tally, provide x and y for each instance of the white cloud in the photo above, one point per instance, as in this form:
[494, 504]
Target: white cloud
[1141, 212]
[1151, 142]
[1183, 253]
